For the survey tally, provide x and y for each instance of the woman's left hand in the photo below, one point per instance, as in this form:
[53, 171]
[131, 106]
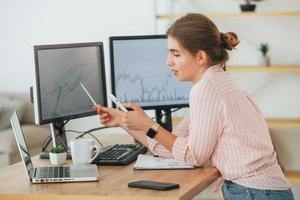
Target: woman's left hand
[137, 119]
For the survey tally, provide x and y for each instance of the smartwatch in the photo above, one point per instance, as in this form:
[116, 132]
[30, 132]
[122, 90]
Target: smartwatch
[153, 130]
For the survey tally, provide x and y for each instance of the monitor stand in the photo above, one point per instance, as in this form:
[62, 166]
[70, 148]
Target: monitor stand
[166, 120]
[58, 135]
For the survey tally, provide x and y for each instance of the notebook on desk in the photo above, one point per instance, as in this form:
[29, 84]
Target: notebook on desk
[145, 162]
[48, 174]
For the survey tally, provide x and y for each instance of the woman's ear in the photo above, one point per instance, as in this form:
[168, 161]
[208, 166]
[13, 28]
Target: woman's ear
[201, 58]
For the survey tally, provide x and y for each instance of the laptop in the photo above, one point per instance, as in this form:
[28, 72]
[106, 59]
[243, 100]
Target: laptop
[50, 174]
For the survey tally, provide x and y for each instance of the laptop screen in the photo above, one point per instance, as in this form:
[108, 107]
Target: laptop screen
[15, 123]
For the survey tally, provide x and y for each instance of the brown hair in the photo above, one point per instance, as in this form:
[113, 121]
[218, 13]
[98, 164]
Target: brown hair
[197, 32]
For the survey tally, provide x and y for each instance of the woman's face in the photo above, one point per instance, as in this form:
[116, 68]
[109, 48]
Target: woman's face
[183, 64]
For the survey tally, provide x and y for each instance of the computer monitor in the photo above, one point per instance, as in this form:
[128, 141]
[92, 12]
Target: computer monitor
[59, 70]
[139, 74]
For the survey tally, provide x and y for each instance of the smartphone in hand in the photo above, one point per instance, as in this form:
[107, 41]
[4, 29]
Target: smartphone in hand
[118, 103]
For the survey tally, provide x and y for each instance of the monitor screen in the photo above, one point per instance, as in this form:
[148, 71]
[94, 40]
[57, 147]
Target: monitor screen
[140, 74]
[59, 71]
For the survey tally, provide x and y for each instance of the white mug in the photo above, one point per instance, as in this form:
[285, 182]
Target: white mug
[82, 151]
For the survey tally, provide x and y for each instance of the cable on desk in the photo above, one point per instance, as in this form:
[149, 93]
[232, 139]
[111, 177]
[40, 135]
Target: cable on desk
[47, 141]
[89, 132]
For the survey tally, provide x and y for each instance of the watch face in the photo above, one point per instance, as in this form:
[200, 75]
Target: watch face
[151, 133]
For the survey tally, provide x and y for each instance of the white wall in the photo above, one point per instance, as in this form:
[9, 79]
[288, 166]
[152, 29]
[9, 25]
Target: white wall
[24, 24]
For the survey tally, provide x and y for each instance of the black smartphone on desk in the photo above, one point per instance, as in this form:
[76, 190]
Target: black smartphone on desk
[153, 185]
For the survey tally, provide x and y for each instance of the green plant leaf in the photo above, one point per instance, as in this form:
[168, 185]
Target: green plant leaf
[264, 48]
[58, 149]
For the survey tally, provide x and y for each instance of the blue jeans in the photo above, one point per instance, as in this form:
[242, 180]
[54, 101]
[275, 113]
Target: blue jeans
[233, 191]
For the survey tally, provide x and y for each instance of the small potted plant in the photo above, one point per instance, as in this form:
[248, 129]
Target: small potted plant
[264, 49]
[58, 155]
[248, 6]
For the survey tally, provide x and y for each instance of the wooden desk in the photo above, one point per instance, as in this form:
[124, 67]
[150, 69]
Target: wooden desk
[112, 185]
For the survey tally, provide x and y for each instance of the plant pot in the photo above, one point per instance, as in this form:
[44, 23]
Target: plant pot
[58, 158]
[247, 7]
[265, 61]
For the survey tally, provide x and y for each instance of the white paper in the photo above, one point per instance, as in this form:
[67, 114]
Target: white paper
[151, 162]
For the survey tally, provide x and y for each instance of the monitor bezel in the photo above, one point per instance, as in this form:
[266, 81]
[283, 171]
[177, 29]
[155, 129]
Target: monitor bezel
[37, 101]
[112, 68]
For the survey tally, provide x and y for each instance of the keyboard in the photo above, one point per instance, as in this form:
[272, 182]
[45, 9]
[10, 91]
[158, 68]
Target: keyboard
[52, 172]
[119, 154]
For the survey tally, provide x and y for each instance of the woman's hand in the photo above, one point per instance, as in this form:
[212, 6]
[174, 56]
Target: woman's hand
[109, 116]
[137, 119]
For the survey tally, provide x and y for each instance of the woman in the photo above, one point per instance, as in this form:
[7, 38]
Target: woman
[224, 125]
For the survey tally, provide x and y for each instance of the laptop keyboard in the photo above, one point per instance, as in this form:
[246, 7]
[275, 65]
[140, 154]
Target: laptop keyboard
[53, 172]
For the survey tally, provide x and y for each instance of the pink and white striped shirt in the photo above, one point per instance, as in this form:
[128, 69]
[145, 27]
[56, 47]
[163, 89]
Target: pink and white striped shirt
[226, 127]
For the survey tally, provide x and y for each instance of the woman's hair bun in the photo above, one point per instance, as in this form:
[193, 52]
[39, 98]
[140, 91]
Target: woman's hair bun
[229, 40]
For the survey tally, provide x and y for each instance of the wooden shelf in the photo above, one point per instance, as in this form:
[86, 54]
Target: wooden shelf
[272, 123]
[274, 68]
[283, 123]
[236, 14]
[292, 176]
